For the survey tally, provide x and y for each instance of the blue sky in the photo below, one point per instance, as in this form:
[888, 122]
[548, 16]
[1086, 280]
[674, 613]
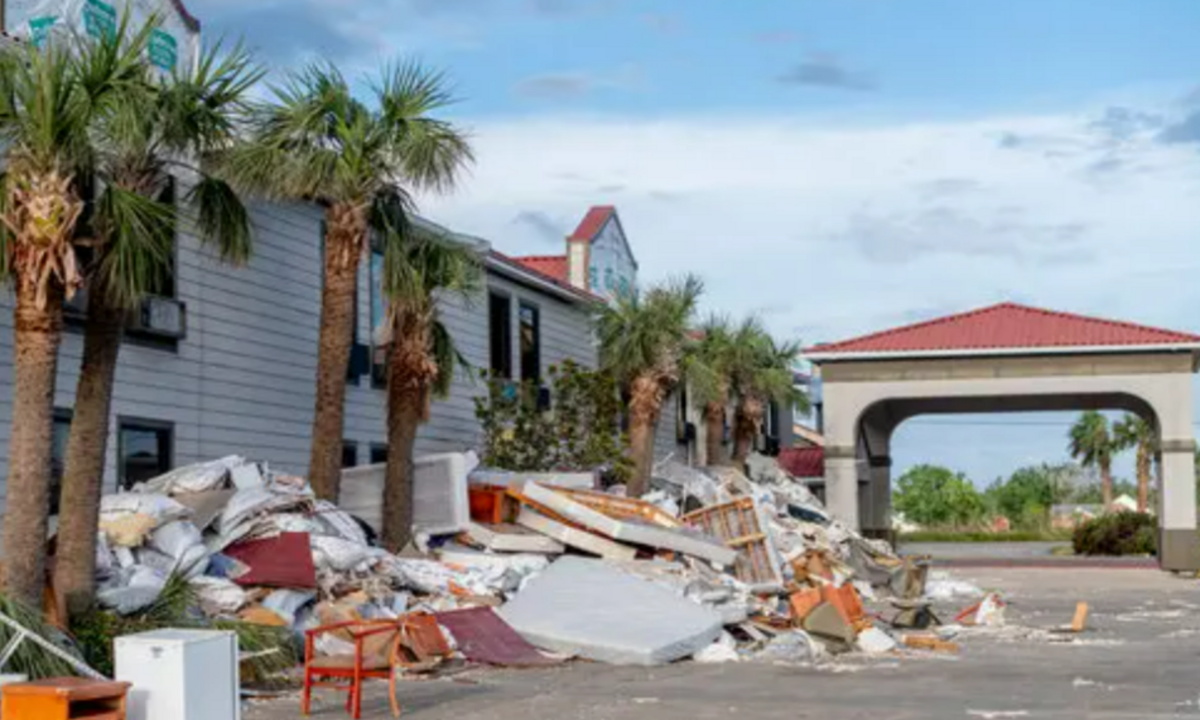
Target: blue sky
[838, 166]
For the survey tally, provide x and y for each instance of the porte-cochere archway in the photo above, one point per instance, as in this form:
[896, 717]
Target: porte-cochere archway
[1007, 358]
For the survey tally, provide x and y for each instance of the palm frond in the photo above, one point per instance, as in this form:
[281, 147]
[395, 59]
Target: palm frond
[222, 219]
[642, 331]
[139, 233]
[448, 359]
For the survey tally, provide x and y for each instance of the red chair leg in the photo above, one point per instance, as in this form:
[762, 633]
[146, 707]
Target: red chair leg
[306, 699]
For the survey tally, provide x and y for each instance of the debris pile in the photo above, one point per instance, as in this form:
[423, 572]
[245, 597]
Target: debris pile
[522, 568]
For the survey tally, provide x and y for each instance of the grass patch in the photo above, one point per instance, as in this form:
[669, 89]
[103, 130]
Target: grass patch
[975, 536]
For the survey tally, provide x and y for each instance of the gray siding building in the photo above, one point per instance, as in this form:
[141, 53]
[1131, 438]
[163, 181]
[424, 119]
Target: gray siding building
[240, 378]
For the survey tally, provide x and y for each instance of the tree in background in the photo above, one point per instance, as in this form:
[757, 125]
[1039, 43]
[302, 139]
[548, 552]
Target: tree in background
[49, 99]
[1134, 431]
[644, 344]
[715, 348]
[152, 131]
[935, 496]
[761, 374]
[317, 142]
[417, 270]
[1026, 497]
[1093, 445]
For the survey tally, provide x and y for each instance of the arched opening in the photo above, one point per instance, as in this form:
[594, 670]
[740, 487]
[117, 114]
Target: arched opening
[878, 425]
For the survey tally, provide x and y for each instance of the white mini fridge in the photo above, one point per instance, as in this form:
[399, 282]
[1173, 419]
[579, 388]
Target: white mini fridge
[180, 674]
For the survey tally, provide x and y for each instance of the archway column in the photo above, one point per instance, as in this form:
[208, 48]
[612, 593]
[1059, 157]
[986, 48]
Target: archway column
[841, 483]
[1178, 540]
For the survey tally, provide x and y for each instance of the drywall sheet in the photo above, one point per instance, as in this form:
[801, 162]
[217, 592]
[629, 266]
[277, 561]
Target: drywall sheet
[594, 610]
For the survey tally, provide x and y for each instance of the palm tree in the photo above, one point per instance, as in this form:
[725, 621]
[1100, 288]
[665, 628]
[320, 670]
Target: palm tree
[1134, 431]
[318, 143]
[150, 130]
[761, 374]
[643, 342]
[417, 271]
[1093, 446]
[712, 350]
[49, 99]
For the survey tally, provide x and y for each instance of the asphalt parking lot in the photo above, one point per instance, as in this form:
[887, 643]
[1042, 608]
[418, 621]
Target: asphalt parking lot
[1138, 660]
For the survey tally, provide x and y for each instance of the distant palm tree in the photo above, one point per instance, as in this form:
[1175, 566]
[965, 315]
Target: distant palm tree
[50, 98]
[318, 143]
[761, 374]
[417, 271]
[150, 133]
[713, 351]
[1093, 445]
[1134, 431]
[643, 342]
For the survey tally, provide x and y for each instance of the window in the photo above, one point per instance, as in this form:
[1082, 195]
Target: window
[166, 284]
[144, 450]
[349, 455]
[379, 454]
[500, 334]
[378, 307]
[58, 457]
[531, 343]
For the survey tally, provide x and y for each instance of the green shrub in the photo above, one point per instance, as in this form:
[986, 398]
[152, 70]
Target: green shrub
[1122, 533]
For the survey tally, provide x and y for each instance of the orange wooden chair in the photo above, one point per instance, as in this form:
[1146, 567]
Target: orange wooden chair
[381, 647]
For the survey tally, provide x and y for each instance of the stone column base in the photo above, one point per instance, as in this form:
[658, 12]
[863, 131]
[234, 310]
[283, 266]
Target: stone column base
[1179, 549]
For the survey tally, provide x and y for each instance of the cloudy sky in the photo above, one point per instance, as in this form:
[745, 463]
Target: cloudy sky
[838, 166]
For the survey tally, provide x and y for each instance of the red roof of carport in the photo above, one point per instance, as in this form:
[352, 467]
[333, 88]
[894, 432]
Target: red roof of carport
[1007, 326]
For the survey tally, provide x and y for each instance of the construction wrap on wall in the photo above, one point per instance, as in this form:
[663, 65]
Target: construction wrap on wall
[174, 44]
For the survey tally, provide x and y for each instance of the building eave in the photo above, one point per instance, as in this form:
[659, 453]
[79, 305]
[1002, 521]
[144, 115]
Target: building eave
[509, 267]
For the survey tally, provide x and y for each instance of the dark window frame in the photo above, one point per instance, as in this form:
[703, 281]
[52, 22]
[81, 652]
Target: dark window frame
[530, 371]
[375, 451]
[166, 450]
[61, 416]
[503, 335]
[349, 449]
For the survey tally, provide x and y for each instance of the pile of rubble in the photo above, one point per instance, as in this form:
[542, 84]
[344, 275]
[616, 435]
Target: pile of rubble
[713, 564]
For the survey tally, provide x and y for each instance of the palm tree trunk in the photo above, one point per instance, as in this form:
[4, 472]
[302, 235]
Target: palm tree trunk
[344, 240]
[411, 373]
[75, 560]
[645, 405]
[37, 337]
[1143, 471]
[747, 421]
[1106, 485]
[714, 432]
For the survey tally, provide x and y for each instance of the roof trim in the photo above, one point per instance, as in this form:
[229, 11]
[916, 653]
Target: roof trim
[511, 267]
[192, 22]
[817, 356]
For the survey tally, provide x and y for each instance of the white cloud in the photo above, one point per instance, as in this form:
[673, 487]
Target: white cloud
[852, 226]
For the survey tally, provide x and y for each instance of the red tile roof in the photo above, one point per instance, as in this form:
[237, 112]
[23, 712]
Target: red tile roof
[1006, 327]
[803, 462]
[553, 265]
[560, 282]
[593, 222]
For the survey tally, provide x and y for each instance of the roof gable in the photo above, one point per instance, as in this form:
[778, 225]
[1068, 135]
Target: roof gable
[597, 218]
[1006, 327]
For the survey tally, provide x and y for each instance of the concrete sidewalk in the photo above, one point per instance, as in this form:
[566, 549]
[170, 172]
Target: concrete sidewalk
[1136, 662]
